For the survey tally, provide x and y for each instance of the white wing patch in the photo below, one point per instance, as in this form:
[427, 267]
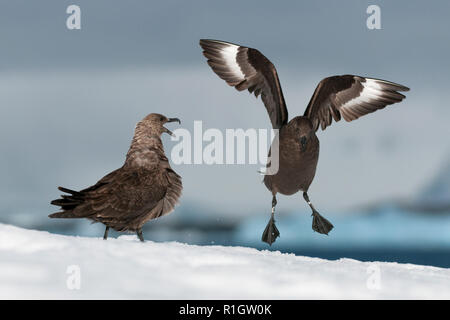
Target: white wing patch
[372, 91]
[229, 54]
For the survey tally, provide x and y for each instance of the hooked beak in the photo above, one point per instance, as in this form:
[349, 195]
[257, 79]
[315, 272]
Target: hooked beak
[171, 120]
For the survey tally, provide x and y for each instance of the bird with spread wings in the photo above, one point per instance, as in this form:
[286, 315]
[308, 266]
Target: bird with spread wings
[336, 97]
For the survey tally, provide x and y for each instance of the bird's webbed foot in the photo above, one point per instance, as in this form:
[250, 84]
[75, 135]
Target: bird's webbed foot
[320, 224]
[271, 232]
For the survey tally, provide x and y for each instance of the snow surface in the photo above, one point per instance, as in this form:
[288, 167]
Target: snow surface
[34, 265]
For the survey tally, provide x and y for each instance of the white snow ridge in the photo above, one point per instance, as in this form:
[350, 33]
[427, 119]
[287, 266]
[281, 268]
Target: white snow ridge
[40, 265]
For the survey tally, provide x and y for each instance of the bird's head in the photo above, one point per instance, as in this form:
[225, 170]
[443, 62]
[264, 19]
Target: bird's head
[153, 124]
[301, 128]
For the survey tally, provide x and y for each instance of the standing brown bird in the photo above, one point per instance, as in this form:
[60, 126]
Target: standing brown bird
[347, 96]
[144, 188]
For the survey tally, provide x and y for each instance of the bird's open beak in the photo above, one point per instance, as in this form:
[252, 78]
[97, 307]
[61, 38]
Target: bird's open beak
[171, 120]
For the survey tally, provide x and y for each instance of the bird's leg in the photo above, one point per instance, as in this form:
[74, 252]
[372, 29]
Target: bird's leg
[319, 224]
[139, 234]
[105, 236]
[271, 232]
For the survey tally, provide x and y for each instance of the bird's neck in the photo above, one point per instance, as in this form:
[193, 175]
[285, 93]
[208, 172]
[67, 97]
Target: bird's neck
[144, 150]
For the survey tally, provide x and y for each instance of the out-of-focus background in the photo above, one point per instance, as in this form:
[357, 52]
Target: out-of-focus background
[69, 100]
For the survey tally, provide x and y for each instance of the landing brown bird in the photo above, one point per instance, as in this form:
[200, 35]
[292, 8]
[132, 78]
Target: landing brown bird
[346, 96]
[144, 188]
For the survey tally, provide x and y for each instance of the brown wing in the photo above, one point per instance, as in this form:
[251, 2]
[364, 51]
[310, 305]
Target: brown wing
[351, 97]
[133, 195]
[246, 68]
[126, 198]
[173, 193]
[174, 186]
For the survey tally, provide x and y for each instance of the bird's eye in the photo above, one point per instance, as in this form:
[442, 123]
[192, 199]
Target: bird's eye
[161, 119]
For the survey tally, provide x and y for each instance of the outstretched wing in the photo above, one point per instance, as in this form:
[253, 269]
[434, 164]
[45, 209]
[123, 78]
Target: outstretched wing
[351, 97]
[246, 68]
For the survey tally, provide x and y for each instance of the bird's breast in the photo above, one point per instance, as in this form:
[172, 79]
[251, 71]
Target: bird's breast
[296, 167]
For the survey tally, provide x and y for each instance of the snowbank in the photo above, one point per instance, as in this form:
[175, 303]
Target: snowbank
[36, 264]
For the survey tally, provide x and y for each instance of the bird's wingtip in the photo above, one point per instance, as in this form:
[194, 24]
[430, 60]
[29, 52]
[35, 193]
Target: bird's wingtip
[204, 41]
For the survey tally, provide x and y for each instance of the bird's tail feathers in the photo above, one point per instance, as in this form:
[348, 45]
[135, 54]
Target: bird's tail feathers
[67, 203]
[62, 214]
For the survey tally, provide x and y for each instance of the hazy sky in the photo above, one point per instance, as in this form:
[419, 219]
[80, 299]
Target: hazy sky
[69, 99]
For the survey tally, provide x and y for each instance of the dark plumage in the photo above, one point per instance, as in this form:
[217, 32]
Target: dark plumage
[346, 96]
[144, 188]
